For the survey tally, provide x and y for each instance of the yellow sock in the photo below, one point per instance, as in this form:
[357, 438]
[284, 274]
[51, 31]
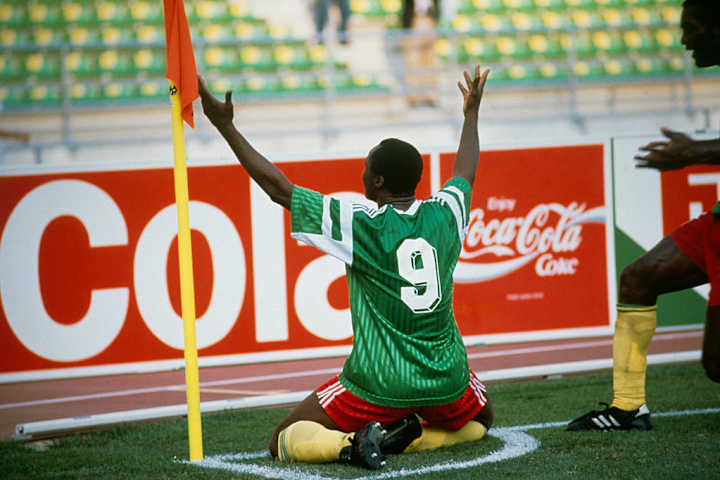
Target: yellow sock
[310, 442]
[433, 438]
[634, 329]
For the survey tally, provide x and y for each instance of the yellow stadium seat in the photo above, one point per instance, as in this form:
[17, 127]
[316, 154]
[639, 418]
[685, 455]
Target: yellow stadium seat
[580, 42]
[13, 14]
[113, 60]
[116, 34]
[44, 12]
[47, 35]
[554, 20]
[546, 45]
[85, 92]
[646, 17]
[146, 11]
[525, 21]
[10, 36]
[549, 4]
[77, 11]
[81, 62]
[512, 46]
[607, 42]
[82, 35]
[149, 60]
[149, 33]
[42, 64]
[42, 94]
[553, 71]
[668, 39]
[112, 11]
[117, 90]
[638, 40]
[650, 66]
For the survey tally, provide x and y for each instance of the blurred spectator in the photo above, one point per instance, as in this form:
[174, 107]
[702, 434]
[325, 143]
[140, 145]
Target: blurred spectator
[320, 16]
[420, 19]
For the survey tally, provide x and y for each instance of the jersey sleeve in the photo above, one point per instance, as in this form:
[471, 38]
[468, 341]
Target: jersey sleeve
[455, 195]
[323, 222]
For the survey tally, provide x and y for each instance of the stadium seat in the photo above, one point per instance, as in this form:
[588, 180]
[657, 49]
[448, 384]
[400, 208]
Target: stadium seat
[239, 9]
[463, 23]
[640, 3]
[639, 41]
[45, 12]
[209, 10]
[646, 17]
[515, 5]
[524, 21]
[213, 32]
[12, 95]
[42, 64]
[153, 89]
[608, 42]
[292, 56]
[580, 3]
[82, 35]
[146, 11]
[588, 69]
[671, 14]
[117, 61]
[299, 83]
[553, 20]
[618, 67]
[549, 4]
[78, 12]
[610, 3]
[85, 92]
[676, 64]
[119, 91]
[112, 11]
[668, 39]
[149, 60]
[614, 17]
[45, 95]
[478, 49]
[553, 71]
[11, 36]
[650, 66]
[513, 46]
[115, 35]
[47, 35]
[257, 84]
[81, 63]
[495, 23]
[523, 71]
[219, 59]
[444, 50]
[257, 57]
[547, 46]
[13, 14]
[247, 30]
[489, 6]
[583, 19]
[580, 42]
[148, 33]
[11, 66]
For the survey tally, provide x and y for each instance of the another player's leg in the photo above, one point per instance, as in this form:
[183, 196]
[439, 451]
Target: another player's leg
[309, 435]
[711, 343]
[663, 269]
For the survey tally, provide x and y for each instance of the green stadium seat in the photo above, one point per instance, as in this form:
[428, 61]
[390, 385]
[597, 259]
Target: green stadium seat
[12, 96]
[149, 60]
[43, 64]
[247, 30]
[116, 35]
[14, 36]
[213, 32]
[478, 49]
[463, 23]
[549, 4]
[515, 5]
[650, 66]
[45, 95]
[75, 12]
[668, 39]
[44, 36]
[587, 69]
[257, 57]
[444, 50]
[583, 18]
[614, 17]
[608, 42]
[219, 59]
[239, 9]
[85, 92]
[646, 17]
[640, 3]
[45, 12]
[146, 11]
[580, 42]
[112, 11]
[610, 3]
[153, 89]
[209, 10]
[257, 84]
[676, 64]
[639, 41]
[82, 35]
[82, 62]
[298, 83]
[495, 23]
[618, 67]
[553, 71]
[671, 14]
[522, 71]
[580, 3]
[116, 61]
[554, 20]
[546, 45]
[514, 47]
[149, 33]
[219, 86]
[11, 66]
[525, 21]
[318, 54]
[296, 57]
[489, 6]
[13, 14]
[119, 91]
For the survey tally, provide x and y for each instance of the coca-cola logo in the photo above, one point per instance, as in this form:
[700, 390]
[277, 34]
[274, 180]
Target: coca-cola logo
[548, 234]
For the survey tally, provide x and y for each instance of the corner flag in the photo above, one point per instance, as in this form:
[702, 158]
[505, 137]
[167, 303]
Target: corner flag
[182, 73]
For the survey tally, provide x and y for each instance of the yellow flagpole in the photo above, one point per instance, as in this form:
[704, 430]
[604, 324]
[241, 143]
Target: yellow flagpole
[187, 289]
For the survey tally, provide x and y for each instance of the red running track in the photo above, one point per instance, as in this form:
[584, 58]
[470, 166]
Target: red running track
[52, 399]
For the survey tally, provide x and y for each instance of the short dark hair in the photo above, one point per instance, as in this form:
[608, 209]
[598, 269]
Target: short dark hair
[710, 10]
[399, 163]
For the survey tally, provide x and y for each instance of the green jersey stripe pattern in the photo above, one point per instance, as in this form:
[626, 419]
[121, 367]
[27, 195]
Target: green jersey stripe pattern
[407, 350]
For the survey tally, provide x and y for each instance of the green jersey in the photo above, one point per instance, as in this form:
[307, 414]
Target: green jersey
[407, 350]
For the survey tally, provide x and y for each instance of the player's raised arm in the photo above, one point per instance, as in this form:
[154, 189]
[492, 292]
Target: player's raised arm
[678, 151]
[267, 175]
[469, 150]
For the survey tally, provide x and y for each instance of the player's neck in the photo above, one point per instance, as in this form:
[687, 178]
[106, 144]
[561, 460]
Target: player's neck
[398, 202]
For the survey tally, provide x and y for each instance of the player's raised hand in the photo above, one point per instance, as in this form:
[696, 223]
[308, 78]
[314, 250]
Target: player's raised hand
[677, 151]
[218, 112]
[473, 89]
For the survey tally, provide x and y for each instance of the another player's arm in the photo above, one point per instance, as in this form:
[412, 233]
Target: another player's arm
[468, 152]
[678, 151]
[267, 175]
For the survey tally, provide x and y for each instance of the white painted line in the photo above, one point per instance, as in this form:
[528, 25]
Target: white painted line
[64, 424]
[516, 443]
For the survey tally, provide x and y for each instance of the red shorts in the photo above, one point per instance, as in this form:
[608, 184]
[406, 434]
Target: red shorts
[699, 239]
[351, 413]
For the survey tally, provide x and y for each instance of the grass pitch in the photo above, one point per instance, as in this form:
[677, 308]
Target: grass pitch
[682, 445]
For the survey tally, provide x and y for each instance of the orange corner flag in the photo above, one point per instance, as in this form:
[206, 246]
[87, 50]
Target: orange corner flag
[181, 69]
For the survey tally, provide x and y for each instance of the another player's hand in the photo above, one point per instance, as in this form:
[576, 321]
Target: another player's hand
[473, 89]
[219, 113]
[677, 152]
